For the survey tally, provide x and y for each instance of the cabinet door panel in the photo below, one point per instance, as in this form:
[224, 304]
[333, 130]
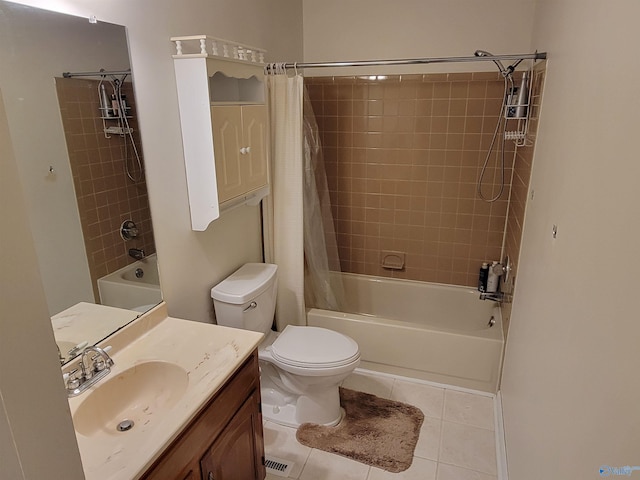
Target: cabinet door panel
[227, 140]
[254, 166]
[233, 456]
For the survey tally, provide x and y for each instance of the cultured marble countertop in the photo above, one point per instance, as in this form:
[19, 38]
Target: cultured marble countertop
[87, 322]
[209, 353]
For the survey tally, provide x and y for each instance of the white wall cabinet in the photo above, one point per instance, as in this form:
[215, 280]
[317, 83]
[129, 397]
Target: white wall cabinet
[224, 119]
[240, 149]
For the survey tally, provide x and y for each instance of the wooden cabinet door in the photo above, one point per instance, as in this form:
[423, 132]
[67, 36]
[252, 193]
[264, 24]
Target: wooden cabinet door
[227, 141]
[255, 165]
[234, 455]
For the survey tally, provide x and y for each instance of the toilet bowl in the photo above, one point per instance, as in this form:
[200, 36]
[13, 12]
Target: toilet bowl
[302, 367]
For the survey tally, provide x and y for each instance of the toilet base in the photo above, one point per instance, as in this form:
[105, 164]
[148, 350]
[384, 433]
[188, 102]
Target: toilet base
[281, 410]
[274, 411]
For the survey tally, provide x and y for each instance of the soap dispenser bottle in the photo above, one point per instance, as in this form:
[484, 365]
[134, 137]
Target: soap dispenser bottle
[494, 278]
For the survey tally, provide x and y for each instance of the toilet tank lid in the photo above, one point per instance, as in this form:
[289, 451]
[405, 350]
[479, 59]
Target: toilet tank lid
[246, 283]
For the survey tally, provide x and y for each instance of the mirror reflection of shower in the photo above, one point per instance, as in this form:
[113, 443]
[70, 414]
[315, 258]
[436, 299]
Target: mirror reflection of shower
[98, 111]
[514, 106]
[114, 106]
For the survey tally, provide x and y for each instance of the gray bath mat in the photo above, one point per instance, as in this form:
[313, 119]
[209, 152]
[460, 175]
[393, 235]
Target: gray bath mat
[375, 431]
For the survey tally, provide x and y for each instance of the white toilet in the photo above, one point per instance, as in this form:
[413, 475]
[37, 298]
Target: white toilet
[302, 367]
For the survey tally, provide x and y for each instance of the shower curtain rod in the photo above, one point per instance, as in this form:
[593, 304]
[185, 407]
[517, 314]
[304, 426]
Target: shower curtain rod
[416, 61]
[101, 73]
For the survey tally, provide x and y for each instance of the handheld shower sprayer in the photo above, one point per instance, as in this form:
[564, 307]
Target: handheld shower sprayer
[514, 105]
[508, 86]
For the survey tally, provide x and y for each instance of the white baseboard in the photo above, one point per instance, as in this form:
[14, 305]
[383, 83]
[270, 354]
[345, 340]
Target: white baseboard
[501, 447]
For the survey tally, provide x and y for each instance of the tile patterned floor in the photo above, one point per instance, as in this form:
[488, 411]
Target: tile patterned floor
[457, 438]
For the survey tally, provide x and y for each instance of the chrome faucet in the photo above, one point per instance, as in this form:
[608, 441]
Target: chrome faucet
[494, 297]
[90, 373]
[128, 230]
[137, 253]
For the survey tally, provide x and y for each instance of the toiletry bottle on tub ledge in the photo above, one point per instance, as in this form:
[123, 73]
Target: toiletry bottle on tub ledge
[483, 277]
[493, 280]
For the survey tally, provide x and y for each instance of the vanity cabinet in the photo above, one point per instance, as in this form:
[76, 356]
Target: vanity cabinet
[224, 120]
[225, 440]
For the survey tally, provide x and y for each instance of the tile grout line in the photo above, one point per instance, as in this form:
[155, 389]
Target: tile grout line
[419, 381]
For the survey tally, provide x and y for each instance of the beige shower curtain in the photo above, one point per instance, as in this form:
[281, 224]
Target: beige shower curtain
[299, 231]
[284, 244]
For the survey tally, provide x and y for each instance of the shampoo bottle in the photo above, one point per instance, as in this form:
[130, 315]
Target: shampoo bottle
[523, 97]
[105, 104]
[482, 277]
[493, 278]
[115, 106]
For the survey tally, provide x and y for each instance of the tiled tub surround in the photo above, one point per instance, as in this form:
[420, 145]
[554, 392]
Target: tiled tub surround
[457, 439]
[520, 188]
[402, 155]
[106, 197]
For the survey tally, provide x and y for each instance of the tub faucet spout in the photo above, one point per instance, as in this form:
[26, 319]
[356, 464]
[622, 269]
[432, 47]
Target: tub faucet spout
[494, 297]
[137, 253]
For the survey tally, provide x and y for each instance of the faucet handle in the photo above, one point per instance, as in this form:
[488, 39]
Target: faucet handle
[71, 379]
[102, 361]
[99, 363]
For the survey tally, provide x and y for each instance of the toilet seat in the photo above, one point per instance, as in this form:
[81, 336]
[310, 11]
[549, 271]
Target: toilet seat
[314, 347]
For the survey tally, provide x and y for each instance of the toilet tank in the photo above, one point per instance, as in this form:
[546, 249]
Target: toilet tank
[247, 298]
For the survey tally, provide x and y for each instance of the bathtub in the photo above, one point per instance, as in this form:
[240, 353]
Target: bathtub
[421, 330]
[123, 289]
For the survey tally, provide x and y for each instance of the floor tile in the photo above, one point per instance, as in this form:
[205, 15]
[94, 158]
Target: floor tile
[280, 441]
[428, 399]
[468, 447]
[420, 469]
[428, 444]
[271, 476]
[328, 466]
[456, 440]
[450, 472]
[373, 384]
[467, 408]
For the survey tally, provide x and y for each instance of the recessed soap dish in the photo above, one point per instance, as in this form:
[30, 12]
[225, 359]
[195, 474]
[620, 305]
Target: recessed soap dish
[392, 260]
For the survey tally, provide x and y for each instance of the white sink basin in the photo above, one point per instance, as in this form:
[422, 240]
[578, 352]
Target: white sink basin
[140, 394]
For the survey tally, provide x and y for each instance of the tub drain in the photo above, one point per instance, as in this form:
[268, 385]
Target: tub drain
[125, 425]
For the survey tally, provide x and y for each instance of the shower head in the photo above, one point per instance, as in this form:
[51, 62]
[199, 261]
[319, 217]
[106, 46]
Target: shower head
[484, 53]
[506, 72]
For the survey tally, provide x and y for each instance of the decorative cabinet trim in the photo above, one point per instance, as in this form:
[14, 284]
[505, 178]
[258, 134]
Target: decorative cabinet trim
[205, 82]
[207, 46]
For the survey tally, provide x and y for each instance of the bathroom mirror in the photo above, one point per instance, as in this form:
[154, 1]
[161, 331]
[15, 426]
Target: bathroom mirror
[82, 169]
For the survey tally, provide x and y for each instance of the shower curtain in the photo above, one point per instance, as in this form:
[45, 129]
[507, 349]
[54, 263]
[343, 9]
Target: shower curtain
[320, 245]
[294, 234]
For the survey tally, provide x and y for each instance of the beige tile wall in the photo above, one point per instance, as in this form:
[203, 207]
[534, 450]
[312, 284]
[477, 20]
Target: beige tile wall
[106, 197]
[403, 154]
[520, 188]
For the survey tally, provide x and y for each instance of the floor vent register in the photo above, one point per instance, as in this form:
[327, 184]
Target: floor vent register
[278, 466]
